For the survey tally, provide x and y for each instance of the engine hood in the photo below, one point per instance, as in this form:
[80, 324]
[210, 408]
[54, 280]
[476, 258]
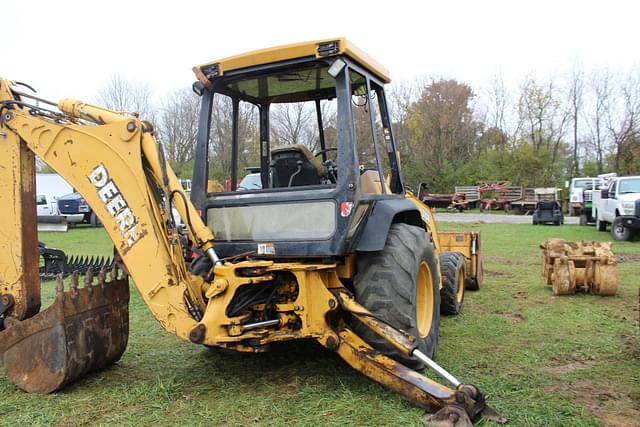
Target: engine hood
[629, 197]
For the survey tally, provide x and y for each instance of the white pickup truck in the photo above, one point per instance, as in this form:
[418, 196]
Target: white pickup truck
[619, 205]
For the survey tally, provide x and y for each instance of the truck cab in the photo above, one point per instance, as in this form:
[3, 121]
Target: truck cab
[45, 206]
[619, 204]
[577, 193]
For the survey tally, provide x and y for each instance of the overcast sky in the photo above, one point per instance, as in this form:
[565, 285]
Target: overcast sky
[70, 48]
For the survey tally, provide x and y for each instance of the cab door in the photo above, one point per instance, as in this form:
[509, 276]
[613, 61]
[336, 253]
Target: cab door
[42, 205]
[611, 201]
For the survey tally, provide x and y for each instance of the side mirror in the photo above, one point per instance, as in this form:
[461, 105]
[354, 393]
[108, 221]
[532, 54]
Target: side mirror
[566, 184]
[604, 193]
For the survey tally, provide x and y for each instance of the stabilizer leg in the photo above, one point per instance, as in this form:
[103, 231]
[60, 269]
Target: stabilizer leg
[466, 402]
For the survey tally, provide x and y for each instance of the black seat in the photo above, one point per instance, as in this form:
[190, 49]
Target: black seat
[294, 165]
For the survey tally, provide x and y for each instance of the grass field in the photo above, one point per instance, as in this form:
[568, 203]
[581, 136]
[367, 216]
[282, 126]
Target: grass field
[543, 360]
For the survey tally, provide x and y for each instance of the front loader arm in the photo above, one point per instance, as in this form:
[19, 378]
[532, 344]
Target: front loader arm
[114, 162]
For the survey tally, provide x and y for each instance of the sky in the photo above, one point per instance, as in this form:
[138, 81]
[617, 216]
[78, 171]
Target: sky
[70, 49]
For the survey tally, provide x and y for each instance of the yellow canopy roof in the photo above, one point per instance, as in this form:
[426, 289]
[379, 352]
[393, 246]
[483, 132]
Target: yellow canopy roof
[317, 48]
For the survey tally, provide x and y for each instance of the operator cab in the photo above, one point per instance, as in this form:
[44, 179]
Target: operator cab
[310, 124]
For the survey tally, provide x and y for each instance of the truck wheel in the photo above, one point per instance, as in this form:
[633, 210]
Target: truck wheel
[583, 219]
[95, 221]
[600, 225]
[453, 269]
[619, 231]
[400, 285]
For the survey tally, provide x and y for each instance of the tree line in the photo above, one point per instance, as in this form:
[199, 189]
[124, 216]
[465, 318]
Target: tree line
[541, 133]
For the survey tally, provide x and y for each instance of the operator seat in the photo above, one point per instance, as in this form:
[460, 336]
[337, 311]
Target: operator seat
[294, 165]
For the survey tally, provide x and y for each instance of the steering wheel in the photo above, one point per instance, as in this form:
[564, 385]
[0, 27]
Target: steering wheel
[325, 151]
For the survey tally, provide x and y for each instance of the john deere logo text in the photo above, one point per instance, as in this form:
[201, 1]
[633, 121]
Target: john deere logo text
[115, 204]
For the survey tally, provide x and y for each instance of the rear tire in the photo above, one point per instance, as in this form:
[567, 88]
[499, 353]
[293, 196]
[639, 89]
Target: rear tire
[453, 269]
[600, 225]
[619, 231]
[400, 285]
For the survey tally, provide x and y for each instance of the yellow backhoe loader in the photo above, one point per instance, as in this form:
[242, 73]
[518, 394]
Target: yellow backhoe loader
[330, 247]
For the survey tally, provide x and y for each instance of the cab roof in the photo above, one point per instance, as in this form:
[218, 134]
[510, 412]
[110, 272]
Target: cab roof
[317, 48]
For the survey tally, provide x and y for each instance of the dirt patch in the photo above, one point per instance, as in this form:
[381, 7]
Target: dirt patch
[618, 407]
[628, 257]
[570, 367]
[497, 273]
[512, 317]
[498, 260]
[631, 345]
[520, 295]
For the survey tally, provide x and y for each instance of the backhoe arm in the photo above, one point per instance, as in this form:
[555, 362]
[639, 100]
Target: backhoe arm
[114, 162]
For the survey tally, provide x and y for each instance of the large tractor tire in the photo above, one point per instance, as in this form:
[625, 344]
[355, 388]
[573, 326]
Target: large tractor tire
[453, 269]
[400, 285]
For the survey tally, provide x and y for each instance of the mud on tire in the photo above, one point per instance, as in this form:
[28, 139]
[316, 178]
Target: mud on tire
[387, 285]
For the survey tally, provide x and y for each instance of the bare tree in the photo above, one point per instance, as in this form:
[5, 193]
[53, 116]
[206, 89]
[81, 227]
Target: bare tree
[496, 117]
[221, 132]
[600, 89]
[576, 89]
[294, 123]
[623, 121]
[178, 127]
[499, 97]
[400, 98]
[121, 94]
[542, 121]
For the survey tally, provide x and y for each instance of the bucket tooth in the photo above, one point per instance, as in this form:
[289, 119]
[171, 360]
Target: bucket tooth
[88, 281]
[75, 276]
[102, 275]
[59, 283]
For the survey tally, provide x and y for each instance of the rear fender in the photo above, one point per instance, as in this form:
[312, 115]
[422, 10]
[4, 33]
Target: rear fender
[383, 214]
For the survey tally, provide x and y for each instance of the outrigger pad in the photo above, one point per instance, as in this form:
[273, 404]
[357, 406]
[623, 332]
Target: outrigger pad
[85, 329]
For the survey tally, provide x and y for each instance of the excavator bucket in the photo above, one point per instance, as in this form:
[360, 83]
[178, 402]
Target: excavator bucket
[85, 329]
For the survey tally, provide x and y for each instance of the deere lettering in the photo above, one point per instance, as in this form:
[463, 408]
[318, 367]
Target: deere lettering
[115, 204]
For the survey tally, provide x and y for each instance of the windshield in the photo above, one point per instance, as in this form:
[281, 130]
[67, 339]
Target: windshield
[629, 186]
[250, 182]
[582, 183]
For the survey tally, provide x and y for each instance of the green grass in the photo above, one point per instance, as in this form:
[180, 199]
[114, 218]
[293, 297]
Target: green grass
[543, 360]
